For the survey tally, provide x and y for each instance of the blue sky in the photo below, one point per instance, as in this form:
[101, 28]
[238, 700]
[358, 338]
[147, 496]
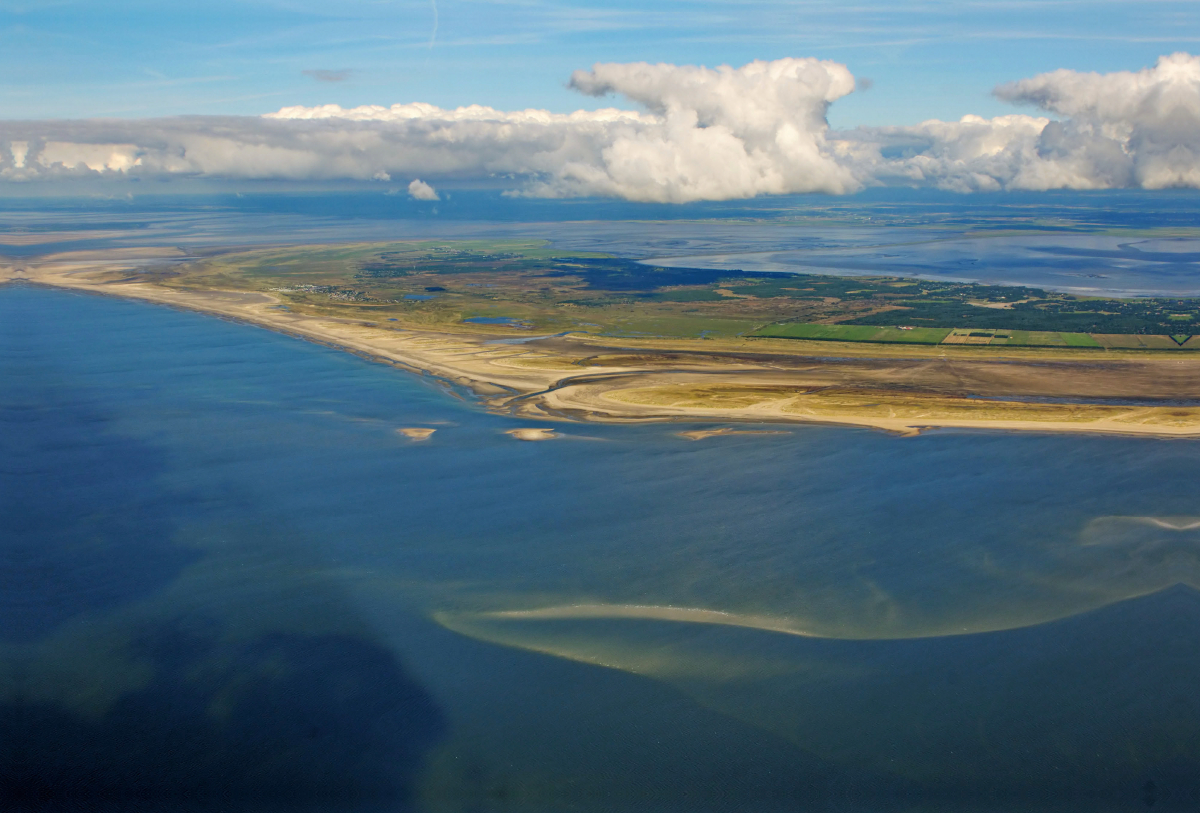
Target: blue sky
[927, 58]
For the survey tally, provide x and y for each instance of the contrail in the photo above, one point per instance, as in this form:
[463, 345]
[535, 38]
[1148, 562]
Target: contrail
[433, 34]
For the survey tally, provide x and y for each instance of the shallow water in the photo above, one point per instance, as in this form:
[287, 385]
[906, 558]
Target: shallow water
[1113, 243]
[1089, 265]
[229, 583]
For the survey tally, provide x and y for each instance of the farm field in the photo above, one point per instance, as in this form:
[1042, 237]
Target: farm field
[973, 337]
[854, 333]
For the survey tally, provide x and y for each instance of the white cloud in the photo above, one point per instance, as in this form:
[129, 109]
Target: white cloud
[18, 149]
[96, 157]
[709, 134]
[1116, 130]
[699, 134]
[419, 190]
[716, 134]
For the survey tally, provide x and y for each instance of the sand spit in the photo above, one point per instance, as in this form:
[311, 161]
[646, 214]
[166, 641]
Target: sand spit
[416, 433]
[689, 615]
[702, 434]
[592, 378]
[532, 434]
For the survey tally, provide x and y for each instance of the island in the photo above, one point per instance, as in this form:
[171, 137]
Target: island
[539, 333]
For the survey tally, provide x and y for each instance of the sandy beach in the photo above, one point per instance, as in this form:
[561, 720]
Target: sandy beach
[590, 378]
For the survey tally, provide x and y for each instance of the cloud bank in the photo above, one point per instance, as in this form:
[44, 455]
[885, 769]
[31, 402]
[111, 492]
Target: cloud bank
[696, 134]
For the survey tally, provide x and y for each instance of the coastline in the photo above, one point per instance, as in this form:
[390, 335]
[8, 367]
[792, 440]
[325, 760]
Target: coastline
[586, 378]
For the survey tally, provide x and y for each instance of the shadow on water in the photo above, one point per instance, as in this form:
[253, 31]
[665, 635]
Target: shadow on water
[219, 712]
[281, 720]
[84, 529]
[83, 526]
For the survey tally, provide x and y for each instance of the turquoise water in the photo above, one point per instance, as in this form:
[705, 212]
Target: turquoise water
[230, 584]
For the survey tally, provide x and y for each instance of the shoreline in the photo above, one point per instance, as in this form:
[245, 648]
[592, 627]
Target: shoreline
[584, 378]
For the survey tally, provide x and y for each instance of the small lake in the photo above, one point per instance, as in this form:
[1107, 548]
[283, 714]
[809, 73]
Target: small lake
[230, 583]
[495, 320]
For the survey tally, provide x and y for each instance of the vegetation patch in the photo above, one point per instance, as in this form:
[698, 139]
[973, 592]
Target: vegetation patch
[452, 284]
[853, 333]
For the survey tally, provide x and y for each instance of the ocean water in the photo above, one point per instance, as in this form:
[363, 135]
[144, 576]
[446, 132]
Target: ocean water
[228, 583]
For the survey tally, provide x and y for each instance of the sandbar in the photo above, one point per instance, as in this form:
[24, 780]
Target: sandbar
[532, 434]
[701, 434]
[416, 433]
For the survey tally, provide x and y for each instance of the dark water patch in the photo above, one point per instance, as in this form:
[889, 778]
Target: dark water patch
[1092, 706]
[84, 523]
[495, 320]
[615, 274]
[282, 720]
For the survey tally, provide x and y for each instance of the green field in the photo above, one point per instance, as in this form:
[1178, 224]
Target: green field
[968, 337]
[1120, 341]
[1042, 338]
[853, 333]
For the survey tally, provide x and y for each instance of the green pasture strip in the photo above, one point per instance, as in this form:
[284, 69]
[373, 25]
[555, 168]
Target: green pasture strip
[853, 333]
[1015, 338]
[1047, 338]
[1132, 341]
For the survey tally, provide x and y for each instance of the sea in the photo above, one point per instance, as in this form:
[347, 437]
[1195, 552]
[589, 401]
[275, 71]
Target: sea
[229, 583]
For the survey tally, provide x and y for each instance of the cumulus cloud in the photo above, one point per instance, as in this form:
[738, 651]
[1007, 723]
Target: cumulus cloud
[419, 190]
[695, 133]
[716, 134]
[1115, 130]
[706, 134]
[702, 134]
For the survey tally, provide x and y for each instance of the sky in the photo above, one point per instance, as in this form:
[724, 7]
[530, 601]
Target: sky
[655, 100]
[926, 58]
